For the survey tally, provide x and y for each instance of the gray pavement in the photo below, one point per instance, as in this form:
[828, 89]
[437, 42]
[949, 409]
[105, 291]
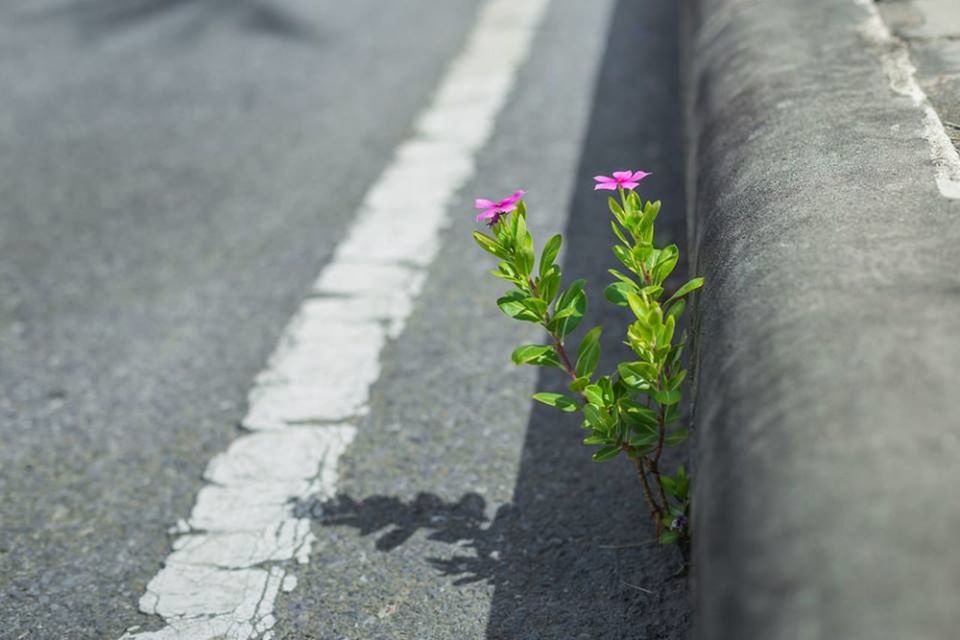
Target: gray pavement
[175, 174]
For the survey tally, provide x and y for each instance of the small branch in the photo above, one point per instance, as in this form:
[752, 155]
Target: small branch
[655, 462]
[564, 358]
[655, 511]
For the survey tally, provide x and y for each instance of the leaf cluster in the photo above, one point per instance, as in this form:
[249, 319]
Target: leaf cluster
[633, 410]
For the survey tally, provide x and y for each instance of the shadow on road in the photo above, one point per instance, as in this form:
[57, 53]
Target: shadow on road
[570, 557]
[463, 522]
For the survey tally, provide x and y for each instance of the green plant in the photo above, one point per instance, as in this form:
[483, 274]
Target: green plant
[634, 410]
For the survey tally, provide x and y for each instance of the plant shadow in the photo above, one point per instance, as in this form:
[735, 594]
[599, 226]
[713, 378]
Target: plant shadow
[462, 523]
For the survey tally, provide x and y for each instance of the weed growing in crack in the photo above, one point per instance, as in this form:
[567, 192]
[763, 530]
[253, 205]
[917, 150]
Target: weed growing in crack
[634, 410]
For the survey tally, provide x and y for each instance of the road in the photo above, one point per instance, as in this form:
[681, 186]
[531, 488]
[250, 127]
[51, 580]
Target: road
[174, 177]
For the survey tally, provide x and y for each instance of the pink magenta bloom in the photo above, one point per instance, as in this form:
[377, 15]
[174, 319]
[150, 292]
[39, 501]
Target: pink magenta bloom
[493, 211]
[620, 179]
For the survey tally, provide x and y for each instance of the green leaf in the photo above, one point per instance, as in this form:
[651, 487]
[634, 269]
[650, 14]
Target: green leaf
[676, 352]
[666, 262]
[489, 245]
[525, 256]
[606, 453]
[504, 276]
[592, 413]
[683, 483]
[536, 354]
[594, 394]
[616, 209]
[589, 352]
[607, 389]
[568, 297]
[507, 231]
[550, 251]
[621, 276]
[650, 212]
[617, 292]
[557, 400]
[677, 437]
[536, 305]
[676, 379]
[644, 371]
[693, 285]
[513, 305]
[596, 439]
[570, 324]
[643, 440]
[639, 305]
[653, 292]
[668, 537]
[641, 418]
[524, 246]
[578, 385]
[617, 232]
[570, 308]
[667, 397]
[666, 333]
[669, 485]
[505, 271]
[625, 257]
[676, 309]
[549, 284]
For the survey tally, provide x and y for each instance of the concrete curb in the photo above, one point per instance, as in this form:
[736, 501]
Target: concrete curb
[829, 331]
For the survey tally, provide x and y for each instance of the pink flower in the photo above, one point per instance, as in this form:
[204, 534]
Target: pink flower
[620, 180]
[493, 211]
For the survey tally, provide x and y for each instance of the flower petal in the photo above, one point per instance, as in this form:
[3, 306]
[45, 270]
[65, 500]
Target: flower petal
[604, 179]
[483, 203]
[622, 175]
[509, 204]
[629, 184]
[640, 175]
[610, 186]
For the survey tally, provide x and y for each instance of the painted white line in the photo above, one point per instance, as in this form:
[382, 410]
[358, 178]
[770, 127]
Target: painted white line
[231, 558]
[901, 75]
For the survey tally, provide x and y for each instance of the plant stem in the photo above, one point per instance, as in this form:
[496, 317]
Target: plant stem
[564, 358]
[655, 462]
[661, 435]
[656, 512]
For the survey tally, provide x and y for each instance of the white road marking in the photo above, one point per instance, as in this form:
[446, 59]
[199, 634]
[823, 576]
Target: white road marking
[231, 557]
[901, 75]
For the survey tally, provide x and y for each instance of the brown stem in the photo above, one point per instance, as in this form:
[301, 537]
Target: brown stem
[655, 462]
[656, 512]
[661, 435]
[564, 358]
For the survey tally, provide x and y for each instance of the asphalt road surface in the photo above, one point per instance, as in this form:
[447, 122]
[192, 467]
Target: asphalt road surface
[174, 175]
